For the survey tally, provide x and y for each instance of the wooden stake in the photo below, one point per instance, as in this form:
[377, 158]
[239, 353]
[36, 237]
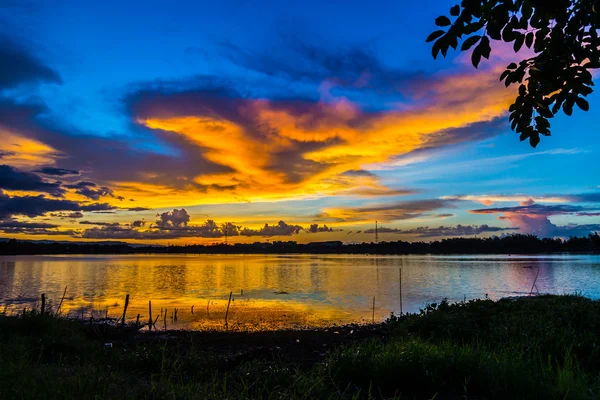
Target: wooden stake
[532, 286]
[150, 315]
[227, 312]
[400, 291]
[125, 309]
[137, 321]
[43, 307]
[61, 301]
[373, 309]
[165, 319]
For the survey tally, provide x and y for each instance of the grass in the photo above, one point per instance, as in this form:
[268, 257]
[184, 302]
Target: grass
[534, 348]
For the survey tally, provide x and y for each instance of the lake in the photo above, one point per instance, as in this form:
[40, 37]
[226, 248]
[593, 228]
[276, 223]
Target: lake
[280, 291]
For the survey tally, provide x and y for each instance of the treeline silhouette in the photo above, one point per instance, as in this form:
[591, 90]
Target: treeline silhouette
[511, 244]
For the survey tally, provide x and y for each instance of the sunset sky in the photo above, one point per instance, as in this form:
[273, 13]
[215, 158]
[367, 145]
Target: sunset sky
[157, 122]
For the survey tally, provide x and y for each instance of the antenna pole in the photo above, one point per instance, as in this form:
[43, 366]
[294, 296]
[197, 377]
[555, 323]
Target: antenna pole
[376, 233]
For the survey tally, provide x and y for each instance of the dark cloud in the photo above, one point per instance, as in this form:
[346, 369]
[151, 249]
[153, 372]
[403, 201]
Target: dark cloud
[534, 209]
[281, 229]
[73, 215]
[20, 224]
[35, 206]
[385, 212]
[13, 226]
[315, 228]
[18, 66]
[52, 171]
[209, 229]
[358, 172]
[175, 225]
[14, 179]
[355, 67]
[444, 231]
[534, 219]
[99, 223]
[137, 209]
[91, 190]
[442, 215]
[173, 219]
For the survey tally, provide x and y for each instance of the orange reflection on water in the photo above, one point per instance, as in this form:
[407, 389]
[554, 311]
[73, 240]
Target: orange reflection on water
[278, 291]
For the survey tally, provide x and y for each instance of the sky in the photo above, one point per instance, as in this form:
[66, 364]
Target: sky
[178, 122]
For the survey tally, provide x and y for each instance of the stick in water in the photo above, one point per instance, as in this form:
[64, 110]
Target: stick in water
[532, 286]
[43, 307]
[61, 301]
[227, 312]
[150, 317]
[400, 291]
[125, 309]
[373, 309]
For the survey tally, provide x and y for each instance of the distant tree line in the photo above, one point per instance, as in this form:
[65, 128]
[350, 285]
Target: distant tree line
[512, 244]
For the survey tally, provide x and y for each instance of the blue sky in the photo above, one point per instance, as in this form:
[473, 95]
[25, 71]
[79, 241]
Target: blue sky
[326, 113]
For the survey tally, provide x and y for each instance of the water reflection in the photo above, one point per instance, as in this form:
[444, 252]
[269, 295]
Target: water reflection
[276, 291]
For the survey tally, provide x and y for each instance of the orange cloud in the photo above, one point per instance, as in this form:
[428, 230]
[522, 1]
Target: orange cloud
[274, 150]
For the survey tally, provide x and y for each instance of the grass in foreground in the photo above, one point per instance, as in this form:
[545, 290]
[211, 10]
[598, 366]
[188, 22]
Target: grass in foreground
[535, 348]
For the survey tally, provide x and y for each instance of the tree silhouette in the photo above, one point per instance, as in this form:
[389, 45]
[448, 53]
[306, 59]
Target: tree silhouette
[563, 37]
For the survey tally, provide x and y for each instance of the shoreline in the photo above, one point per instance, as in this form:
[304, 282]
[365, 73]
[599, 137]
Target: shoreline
[530, 347]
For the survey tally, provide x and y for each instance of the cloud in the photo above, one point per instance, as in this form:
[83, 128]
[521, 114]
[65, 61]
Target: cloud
[12, 226]
[315, 228]
[528, 200]
[35, 206]
[52, 171]
[92, 191]
[99, 223]
[175, 225]
[294, 60]
[534, 219]
[444, 231]
[294, 147]
[138, 209]
[18, 66]
[276, 147]
[73, 215]
[14, 179]
[281, 229]
[173, 219]
[384, 212]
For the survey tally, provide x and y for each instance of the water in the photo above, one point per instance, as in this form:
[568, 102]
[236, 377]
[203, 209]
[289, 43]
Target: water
[280, 291]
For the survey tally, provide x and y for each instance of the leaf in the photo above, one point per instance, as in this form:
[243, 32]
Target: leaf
[582, 103]
[454, 11]
[469, 42]
[568, 107]
[484, 45]
[508, 34]
[534, 139]
[476, 56]
[529, 40]
[434, 36]
[504, 75]
[519, 42]
[472, 27]
[512, 66]
[442, 21]
[435, 49]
